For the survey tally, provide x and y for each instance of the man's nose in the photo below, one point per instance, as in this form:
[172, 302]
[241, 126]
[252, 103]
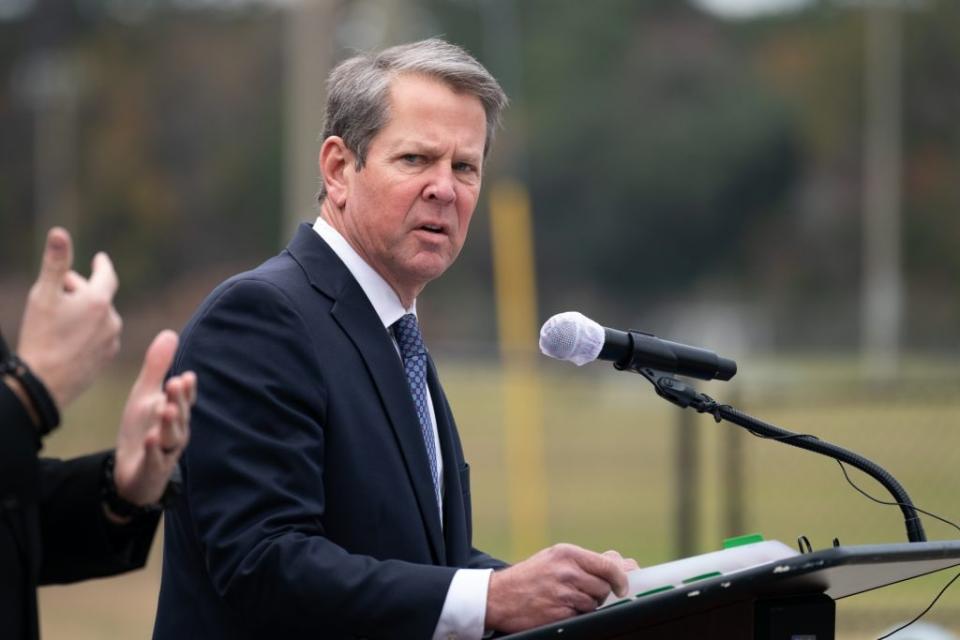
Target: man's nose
[441, 186]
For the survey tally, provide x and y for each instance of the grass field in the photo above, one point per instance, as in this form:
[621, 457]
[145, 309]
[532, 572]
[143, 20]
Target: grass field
[609, 452]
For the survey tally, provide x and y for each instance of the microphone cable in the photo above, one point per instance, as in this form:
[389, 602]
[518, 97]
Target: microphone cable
[889, 503]
[927, 513]
[924, 612]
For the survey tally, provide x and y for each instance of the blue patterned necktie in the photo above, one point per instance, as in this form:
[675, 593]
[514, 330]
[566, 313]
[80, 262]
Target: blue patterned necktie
[415, 365]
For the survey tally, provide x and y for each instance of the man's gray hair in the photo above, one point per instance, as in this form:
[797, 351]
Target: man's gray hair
[358, 90]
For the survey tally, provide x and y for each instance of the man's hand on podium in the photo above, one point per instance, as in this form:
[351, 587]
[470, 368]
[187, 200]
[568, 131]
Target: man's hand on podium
[553, 584]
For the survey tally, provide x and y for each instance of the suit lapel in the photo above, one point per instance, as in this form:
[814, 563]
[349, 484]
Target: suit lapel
[454, 519]
[356, 316]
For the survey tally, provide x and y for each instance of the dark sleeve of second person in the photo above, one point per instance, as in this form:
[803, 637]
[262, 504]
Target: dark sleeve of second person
[78, 541]
[18, 451]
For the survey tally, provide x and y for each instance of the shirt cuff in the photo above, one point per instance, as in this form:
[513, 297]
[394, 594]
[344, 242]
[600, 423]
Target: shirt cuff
[465, 608]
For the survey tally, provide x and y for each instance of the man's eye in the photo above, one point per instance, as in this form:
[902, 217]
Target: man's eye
[412, 158]
[464, 167]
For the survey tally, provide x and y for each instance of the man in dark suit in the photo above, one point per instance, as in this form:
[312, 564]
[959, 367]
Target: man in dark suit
[326, 491]
[63, 521]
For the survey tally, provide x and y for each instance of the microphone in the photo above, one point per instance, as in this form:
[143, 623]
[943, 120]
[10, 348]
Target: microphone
[574, 337]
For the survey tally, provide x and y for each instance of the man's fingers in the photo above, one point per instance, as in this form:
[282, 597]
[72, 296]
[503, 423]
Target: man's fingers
[627, 564]
[102, 275]
[603, 567]
[596, 588]
[157, 360]
[581, 602]
[57, 260]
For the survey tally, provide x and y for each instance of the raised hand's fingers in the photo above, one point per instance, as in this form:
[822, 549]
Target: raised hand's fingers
[73, 281]
[157, 361]
[116, 326]
[178, 396]
[57, 260]
[172, 434]
[182, 390]
[174, 430]
[102, 276]
[190, 381]
[154, 457]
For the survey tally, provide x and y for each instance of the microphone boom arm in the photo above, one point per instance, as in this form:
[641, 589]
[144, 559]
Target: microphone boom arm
[684, 395]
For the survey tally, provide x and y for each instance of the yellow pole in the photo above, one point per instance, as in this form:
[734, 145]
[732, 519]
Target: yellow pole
[512, 242]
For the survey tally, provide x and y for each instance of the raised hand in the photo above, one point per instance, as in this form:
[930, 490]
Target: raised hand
[155, 425]
[70, 329]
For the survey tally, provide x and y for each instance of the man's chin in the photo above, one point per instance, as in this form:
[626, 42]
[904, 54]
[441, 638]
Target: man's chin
[428, 267]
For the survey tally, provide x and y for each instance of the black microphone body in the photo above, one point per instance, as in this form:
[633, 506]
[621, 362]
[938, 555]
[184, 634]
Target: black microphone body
[634, 350]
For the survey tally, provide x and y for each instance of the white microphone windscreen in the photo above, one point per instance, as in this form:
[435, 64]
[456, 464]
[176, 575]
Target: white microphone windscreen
[573, 337]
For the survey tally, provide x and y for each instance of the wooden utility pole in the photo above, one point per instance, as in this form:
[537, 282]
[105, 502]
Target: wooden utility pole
[309, 42]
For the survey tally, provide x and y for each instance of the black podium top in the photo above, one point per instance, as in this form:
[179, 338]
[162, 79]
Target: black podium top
[839, 572]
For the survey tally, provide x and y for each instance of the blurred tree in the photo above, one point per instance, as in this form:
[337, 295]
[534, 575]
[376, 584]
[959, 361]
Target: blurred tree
[179, 140]
[670, 153]
[932, 175]
[654, 148]
[183, 144]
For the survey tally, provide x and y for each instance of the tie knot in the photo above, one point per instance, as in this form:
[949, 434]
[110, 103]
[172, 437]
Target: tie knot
[408, 337]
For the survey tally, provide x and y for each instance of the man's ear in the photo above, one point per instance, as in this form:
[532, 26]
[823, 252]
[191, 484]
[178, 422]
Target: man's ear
[335, 160]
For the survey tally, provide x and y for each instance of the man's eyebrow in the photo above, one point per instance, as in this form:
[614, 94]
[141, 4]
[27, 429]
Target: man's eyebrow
[472, 156]
[414, 145]
[431, 150]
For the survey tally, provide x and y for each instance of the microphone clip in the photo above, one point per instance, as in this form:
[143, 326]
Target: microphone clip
[678, 392]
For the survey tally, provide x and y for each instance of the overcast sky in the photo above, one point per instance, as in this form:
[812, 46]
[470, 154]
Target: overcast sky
[750, 8]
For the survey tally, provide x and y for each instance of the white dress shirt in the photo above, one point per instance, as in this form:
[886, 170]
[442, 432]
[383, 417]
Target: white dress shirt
[465, 606]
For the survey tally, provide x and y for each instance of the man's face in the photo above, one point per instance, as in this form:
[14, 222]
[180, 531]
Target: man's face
[407, 210]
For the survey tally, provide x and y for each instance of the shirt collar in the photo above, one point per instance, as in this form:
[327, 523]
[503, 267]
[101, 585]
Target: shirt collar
[384, 299]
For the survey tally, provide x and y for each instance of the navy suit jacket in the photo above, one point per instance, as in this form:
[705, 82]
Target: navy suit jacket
[308, 509]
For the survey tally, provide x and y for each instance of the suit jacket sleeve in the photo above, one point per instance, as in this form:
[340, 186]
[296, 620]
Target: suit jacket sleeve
[481, 560]
[256, 477]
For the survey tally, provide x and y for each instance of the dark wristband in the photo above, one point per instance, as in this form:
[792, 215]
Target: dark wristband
[40, 398]
[117, 504]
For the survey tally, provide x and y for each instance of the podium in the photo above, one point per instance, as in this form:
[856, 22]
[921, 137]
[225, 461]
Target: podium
[790, 599]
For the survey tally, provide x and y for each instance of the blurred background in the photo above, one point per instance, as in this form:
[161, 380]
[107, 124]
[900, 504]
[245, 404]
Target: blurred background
[776, 180]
